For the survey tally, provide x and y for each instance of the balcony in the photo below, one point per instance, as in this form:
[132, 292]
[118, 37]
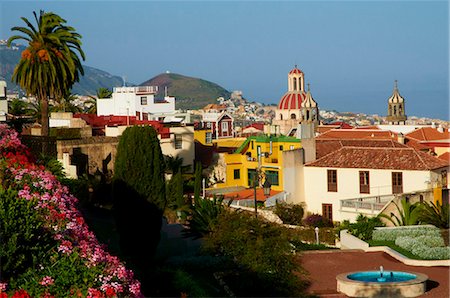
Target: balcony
[137, 90]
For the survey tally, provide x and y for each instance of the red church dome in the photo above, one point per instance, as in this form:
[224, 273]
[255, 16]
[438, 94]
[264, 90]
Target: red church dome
[291, 101]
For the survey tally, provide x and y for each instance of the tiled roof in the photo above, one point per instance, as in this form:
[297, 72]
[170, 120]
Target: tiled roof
[324, 128]
[249, 193]
[379, 158]
[324, 147]
[445, 156]
[428, 134]
[292, 100]
[360, 134]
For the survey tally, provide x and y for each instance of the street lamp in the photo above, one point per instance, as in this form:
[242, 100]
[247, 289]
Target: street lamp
[266, 188]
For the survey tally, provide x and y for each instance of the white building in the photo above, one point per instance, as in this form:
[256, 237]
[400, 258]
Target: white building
[3, 101]
[136, 101]
[348, 174]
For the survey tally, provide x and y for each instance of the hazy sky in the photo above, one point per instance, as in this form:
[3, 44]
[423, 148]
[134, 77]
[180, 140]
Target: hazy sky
[351, 52]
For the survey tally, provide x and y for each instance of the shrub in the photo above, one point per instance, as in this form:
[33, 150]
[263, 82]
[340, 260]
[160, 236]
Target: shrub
[289, 214]
[65, 133]
[425, 247]
[408, 214]
[391, 234]
[24, 239]
[308, 235]
[317, 220]
[203, 216]
[364, 227]
[259, 247]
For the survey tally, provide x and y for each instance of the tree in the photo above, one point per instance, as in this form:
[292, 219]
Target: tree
[20, 111]
[50, 65]
[91, 103]
[198, 180]
[436, 214]
[66, 104]
[408, 214]
[104, 93]
[140, 164]
[173, 164]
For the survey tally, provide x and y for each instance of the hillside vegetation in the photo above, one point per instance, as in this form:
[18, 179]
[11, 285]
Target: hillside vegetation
[190, 93]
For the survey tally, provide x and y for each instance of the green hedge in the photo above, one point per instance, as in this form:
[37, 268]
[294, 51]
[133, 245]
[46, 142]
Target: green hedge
[65, 133]
[391, 234]
[425, 247]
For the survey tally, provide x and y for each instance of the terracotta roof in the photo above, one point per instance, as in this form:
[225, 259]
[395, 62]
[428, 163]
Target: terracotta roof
[324, 128]
[324, 147]
[249, 193]
[368, 127]
[428, 134]
[291, 101]
[379, 158]
[341, 124]
[295, 70]
[360, 134]
[413, 143]
[445, 156]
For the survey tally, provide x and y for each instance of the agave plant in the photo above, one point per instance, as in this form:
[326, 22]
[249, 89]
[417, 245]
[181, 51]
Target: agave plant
[436, 214]
[408, 214]
[203, 216]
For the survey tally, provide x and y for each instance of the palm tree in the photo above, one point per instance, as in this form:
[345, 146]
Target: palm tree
[19, 111]
[91, 103]
[436, 214]
[50, 65]
[66, 104]
[104, 93]
[408, 214]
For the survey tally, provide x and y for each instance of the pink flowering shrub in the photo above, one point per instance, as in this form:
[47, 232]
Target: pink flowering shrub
[76, 264]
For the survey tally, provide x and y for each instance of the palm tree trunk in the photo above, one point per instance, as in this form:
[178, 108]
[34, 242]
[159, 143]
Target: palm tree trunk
[44, 126]
[44, 117]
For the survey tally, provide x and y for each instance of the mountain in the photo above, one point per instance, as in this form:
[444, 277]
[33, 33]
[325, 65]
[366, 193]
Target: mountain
[190, 93]
[89, 83]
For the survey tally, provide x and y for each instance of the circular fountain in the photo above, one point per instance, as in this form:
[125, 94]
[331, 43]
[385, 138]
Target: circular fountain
[382, 283]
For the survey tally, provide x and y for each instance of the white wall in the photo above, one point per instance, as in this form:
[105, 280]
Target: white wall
[187, 151]
[316, 187]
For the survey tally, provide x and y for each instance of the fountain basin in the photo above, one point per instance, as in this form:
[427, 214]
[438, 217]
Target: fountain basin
[388, 284]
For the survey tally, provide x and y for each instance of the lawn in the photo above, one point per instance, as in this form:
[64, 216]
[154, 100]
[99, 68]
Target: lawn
[392, 245]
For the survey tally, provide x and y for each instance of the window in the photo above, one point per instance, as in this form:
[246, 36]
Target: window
[178, 141]
[208, 124]
[237, 174]
[208, 138]
[281, 116]
[397, 182]
[327, 211]
[251, 176]
[138, 115]
[253, 146]
[144, 116]
[281, 147]
[293, 116]
[143, 100]
[295, 84]
[332, 180]
[364, 184]
[291, 147]
[272, 177]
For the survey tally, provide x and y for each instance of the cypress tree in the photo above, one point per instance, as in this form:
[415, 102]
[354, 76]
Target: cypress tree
[140, 164]
[198, 180]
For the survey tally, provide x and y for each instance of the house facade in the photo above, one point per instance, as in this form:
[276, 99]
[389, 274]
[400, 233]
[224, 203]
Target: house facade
[3, 102]
[137, 101]
[258, 154]
[220, 123]
[362, 173]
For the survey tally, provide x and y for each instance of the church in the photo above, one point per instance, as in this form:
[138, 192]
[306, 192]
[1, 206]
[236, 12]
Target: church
[296, 106]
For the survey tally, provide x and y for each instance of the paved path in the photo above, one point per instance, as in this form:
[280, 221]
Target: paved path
[323, 266]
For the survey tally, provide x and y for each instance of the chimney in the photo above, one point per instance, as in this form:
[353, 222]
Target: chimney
[440, 128]
[401, 138]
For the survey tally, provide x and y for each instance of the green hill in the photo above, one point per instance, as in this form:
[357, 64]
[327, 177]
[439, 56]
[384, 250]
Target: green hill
[89, 83]
[190, 93]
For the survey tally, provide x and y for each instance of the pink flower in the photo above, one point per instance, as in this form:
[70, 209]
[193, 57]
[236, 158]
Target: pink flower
[3, 286]
[47, 281]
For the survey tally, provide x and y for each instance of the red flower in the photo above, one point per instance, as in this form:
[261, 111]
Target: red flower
[3, 295]
[110, 292]
[21, 294]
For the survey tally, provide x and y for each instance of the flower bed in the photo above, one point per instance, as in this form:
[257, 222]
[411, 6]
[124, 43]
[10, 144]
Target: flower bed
[391, 234]
[76, 263]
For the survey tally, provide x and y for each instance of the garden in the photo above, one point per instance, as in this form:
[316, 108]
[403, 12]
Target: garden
[420, 230]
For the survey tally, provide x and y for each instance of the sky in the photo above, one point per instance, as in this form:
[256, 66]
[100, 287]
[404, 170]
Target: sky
[350, 52]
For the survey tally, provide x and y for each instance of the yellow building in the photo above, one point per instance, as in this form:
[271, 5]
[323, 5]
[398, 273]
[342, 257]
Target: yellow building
[258, 152]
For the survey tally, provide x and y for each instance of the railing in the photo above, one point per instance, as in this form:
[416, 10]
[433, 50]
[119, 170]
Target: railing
[138, 89]
[367, 204]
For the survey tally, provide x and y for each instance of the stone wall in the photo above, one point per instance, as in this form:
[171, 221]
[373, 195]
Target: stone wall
[90, 154]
